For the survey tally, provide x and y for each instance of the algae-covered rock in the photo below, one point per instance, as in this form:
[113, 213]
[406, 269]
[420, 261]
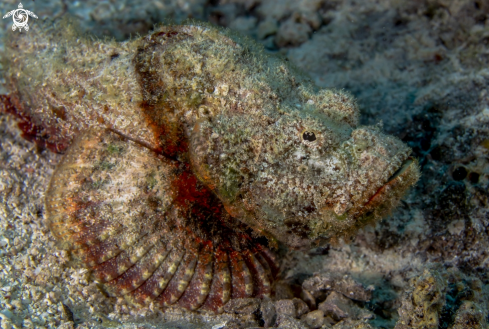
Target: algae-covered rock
[441, 299]
[422, 307]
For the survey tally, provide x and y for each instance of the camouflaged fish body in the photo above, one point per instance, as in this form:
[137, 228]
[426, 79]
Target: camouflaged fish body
[187, 147]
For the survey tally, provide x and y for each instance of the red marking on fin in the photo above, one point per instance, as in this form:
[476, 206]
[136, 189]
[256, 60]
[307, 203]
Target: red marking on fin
[180, 280]
[31, 131]
[221, 285]
[261, 283]
[271, 258]
[199, 287]
[241, 277]
[157, 283]
[137, 274]
[99, 253]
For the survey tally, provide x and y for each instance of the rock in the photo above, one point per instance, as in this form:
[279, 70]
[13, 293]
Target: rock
[276, 9]
[321, 283]
[293, 307]
[308, 298]
[339, 307]
[438, 297]
[242, 305]
[291, 33]
[285, 321]
[224, 14]
[317, 286]
[267, 28]
[340, 301]
[269, 43]
[285, 306]
[352, 289]
[318, 283]
[329, 321]
[469, 315]
[313, 19]
[332, 311]
[268, 312]
[353, 324]
[241, 321]
[244, 24]
[6, 314]
[421, 307]
[68, 314]
[301, 307]
[314, 319]
[66, 325]
[283, 290]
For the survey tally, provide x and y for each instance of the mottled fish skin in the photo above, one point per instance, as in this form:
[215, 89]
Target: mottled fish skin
[189, 152]
[148, 229]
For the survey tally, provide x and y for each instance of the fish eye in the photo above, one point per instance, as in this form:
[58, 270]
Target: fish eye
[309, 136]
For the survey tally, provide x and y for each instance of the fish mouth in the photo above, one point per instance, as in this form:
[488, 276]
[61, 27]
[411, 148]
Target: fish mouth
[404, 166]
[397, 184]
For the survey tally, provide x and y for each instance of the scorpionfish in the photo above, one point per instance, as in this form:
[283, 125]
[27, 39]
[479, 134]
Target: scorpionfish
[189, 155]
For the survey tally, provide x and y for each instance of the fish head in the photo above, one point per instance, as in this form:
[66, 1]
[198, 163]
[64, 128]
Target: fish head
[302, 172]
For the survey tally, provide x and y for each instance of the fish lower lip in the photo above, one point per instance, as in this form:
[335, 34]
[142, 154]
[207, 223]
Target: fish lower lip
[401, 169]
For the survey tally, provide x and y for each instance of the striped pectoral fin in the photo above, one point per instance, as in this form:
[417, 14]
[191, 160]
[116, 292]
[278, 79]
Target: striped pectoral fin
[261, 282]
[156, 284]
[271, 258]
[180, 281]
[107, 194]
[117, 265]
[266, 266]
[137, 274]
[99, 253]
[110, 248]
[199, 287]
[220, 291]
[242, 281]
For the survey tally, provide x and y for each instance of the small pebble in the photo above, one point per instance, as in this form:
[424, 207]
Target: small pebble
[6, 314]
[314, 319]
[285, 306]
